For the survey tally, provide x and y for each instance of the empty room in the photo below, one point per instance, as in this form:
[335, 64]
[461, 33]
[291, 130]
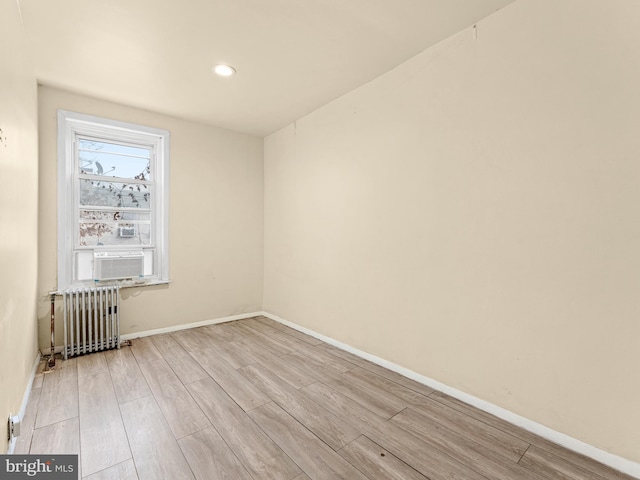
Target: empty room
[279, 239]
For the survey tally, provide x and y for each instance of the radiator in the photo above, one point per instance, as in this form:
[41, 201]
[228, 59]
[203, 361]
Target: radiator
[91, 320]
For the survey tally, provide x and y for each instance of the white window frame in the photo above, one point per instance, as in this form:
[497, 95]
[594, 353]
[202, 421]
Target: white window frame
[70, 126]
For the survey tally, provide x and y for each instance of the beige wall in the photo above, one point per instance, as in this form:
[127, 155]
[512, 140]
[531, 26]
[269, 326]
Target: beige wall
[216, 219]
[18, 215]
[473, 215]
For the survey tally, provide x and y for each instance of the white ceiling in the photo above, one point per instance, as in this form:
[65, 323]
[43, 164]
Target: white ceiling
[292, 56]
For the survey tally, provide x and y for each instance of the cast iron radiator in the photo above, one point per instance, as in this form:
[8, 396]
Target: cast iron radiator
[91, 320]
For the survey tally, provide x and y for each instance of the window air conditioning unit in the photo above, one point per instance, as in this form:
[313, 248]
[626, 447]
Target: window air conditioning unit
[117, 265]
[126, 232]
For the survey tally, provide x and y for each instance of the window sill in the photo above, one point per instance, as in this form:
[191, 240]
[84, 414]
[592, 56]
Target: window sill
[133, 283]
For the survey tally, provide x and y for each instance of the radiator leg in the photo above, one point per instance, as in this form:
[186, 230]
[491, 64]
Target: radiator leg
[52, 358]
[117, 303]
[68, 326]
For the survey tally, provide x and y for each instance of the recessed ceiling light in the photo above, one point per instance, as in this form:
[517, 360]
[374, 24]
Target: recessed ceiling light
[224, 70]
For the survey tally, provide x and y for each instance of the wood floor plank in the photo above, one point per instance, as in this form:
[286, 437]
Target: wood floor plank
[289, 370]
[100, 418]
[308, 451]
[377, 463]
[302, 476]
[251, 348]
[479, 457]
[290, 331]
[312, 368]
[128, 381]
[230, 353]
[322, 423]
[292, 341]
[155, 450]
[348, 410]
[375, 399]
[285, 369]
[183, 365]
[343, 354]
[556, 468]
[180, 410]
[245, 393]
[40, 373]
[485, 417]
[377, 369]
[192, 338]
[512, 448]
[122, 471]
[376, 382]
[62, 438]
[260, 326]
[59, 397]
[287, 340]
[582, 461]
[257, 452]
[416, 453]
[331, 362]
[397, 378]
[519, 432]
[92, 364]
[38, 380]
[211, 458]
[267, 342]
[23, 444]
[223, 332]
[59, 438]
[144, 350]
[557, 450]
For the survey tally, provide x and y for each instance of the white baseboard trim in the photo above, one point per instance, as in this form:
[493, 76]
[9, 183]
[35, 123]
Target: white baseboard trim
[618, 463]
[175, 328]
[25, 401]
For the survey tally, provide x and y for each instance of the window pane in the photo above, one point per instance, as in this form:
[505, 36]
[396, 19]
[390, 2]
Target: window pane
[113, 160]
[114, 194]
[114, 228]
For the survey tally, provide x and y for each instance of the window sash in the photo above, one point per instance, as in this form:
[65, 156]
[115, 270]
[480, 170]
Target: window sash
[107, 225]
[103, 227]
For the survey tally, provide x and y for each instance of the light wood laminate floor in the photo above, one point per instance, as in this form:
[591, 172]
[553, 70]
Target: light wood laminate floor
[253, 399]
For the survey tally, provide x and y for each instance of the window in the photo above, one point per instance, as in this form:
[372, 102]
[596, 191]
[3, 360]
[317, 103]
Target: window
[113, 186]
